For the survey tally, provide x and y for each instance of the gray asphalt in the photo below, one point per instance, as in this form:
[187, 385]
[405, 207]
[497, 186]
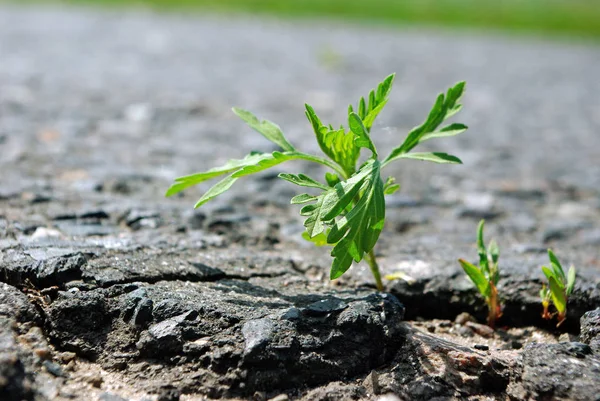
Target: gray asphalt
[100, 110]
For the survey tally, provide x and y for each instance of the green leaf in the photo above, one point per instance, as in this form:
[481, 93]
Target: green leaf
[443, 108]
[436, 157]
[556, 265]
[302, 198]
[264, 163]
[318, 240]
[266, 128]
[187, 181]
[390, 186]
[447, 131]
[251, 164]
[337, 144]
[332, 179]
[481, 251]
[357, 232]
[544, 293]
[477, 277]
[362, 138]
[302, 180]
[216, 190]
[329, 204]
[571, 280]
[558, 295]
[494, 251]
[377, 101]
[547, 272]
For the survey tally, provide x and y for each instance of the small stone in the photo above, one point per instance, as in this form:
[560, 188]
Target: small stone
[257, 334]
[388, 397]
[67, 356]
[43, 232]
[94, 378]
[579, 350]
[325, 307]
[292, 314]
[43, 353]
[53, 369]
[481, 347]
[280, 397]
[463, 318]
[566, 338]
[464, 331]
[371, 383]
[481, 329]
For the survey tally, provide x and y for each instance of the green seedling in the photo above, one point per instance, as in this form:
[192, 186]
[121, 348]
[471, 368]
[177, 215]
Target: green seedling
[486, 275]
[558, 289]
[347, 210]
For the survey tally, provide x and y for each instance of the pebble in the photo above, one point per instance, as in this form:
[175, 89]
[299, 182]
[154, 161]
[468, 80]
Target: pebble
[481, 329]
[256, 334]
[43, 232]
[463, 318]
[280, 397]
[324, 307]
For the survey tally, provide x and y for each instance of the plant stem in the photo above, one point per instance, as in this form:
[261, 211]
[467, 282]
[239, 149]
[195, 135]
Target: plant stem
[371, 260]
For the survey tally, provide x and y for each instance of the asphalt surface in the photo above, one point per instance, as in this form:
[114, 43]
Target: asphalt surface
[100, 110]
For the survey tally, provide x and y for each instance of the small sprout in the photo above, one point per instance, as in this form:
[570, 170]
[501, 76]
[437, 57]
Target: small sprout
[347, 211]
[558, 290]
[486, 275]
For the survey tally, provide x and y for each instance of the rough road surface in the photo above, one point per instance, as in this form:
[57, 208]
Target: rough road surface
[111, 292]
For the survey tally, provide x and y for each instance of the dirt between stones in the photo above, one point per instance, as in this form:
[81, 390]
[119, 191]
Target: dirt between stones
[110, 292]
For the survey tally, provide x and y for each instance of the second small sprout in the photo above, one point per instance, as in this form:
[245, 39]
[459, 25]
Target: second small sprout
[486, 275]
[558, 290]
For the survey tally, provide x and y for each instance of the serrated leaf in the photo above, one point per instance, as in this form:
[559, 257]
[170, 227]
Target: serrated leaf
[556, 265]
[377, 101]
[302, 198]
[266, 128]
[187, 181]
[447, 131]
[337, 144]
[570, 280]
[216, 190]
[558, 295]
[436, 157]
[329, 204]
[443, 108]
[477, 277]
[357, 232]
[264, 163]
[369, 119]
[362, 108]
[362, 138]
[302, 180]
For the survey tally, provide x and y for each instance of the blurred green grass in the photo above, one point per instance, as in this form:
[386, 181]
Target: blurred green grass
[543, 17]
